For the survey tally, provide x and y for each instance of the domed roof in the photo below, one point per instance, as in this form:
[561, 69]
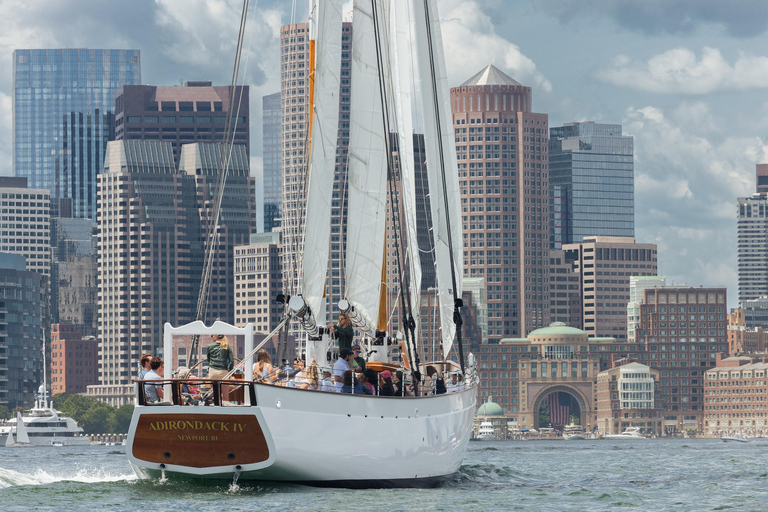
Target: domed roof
[490, 408]
[557, 329]
[491, 75]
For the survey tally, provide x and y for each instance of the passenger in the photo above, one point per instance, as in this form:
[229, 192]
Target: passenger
[372, 376]
[343, 331]
[153, 391]
[430, 382]
[385, 384]
[453, 386]
[341, 365]
[221, 360]
[327, 384]
[461, 382]
[146, 366]
[397, 383]
[439, 383]
[312, 377]
[358, 363]
[347, 387]
[368, 388]
[190, 393]
[262, 369]
[299, 379]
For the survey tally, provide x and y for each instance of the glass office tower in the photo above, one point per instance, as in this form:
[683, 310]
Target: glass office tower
[63, 117]
[591, 182]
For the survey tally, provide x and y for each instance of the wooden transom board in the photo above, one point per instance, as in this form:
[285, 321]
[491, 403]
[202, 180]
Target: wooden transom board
[200, 440]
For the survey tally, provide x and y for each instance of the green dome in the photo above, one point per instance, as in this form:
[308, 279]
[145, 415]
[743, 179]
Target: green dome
[557, 329]
[490, 408]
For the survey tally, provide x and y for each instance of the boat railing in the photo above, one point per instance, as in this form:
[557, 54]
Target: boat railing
[230, 392]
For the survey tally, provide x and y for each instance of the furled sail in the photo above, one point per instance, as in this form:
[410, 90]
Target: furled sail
[404, 80]
[324, 81]
[441, 162]
[367, 162]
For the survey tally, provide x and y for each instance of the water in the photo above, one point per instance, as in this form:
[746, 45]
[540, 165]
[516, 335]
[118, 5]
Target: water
[653, 475]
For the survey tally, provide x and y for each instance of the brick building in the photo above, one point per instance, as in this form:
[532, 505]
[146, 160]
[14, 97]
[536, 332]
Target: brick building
[74, 359]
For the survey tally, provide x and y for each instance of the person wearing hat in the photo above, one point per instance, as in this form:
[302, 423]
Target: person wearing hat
[326, 383]
[189, 392]
[386, 388]
[358, 363]
[453, 386]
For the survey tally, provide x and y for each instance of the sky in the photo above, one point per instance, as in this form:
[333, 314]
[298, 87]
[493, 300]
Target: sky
[686, 78]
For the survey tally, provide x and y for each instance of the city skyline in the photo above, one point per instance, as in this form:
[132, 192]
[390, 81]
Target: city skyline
[688, 92]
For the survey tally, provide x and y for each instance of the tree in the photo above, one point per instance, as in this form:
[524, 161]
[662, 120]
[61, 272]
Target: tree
[4, 413]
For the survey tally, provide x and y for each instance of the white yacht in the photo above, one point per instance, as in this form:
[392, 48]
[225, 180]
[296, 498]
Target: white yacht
[573, 433]
[44, 426]
[735, 438]
[629, 433]
[486, 432]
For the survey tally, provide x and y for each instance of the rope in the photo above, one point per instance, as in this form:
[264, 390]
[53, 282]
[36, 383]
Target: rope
[259, 346]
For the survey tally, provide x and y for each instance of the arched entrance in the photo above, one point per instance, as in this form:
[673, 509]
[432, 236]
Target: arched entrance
[557, 406]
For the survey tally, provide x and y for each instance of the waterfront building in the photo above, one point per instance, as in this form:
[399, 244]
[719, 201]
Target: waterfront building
[735, 391]
[741, 338]
[25, 223]
[295, 119]
[591, 182]
[272, 157]
[683, 330]
[752, 239]
[627, 396]
[502, 152]
[637, 285]
[755, 312]
[258, 280]
[23, 310]
[63, 117]
[152, 219]
[194, 112]
[74, 360]
[604, 265]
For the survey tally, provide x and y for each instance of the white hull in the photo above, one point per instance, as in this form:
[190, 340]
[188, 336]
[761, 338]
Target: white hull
[574, 437]
[314, 438]
[614, 437]
[485, 437]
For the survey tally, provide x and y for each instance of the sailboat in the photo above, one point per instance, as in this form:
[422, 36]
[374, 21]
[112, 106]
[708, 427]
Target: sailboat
[282, 434]
[22, 438]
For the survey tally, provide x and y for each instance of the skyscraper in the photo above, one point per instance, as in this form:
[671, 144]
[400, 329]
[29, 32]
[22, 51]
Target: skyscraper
[152, 226]
[272, 155]
[294, 94]
[591, 182]
[502, 151]
[196, 112]
[63, 117]
[752, 239]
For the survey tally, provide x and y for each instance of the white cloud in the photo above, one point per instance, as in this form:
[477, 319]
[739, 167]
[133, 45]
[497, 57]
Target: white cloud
[679, 71]
[471, 43]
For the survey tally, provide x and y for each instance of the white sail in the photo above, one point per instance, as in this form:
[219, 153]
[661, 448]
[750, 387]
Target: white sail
[441, 161]
[403, 90]
[9, 440]
[21, 430]
[366, 220]
[327, 22]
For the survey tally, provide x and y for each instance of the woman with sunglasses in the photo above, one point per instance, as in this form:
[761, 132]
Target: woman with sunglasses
[343, 331]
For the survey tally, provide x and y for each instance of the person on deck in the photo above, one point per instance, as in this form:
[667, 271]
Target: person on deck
[367, 384]
[327, 384]
[342, 365]
[221, 360]
[351, 385]
[453, 386]
[358, 363]
[146, 365]
[385, 387]
[263, 369]
[343, 331]
[153, 391]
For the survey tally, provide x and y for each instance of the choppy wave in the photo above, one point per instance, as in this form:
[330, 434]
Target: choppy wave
[10, 478]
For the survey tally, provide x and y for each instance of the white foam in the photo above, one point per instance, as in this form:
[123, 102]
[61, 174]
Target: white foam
[10, 478]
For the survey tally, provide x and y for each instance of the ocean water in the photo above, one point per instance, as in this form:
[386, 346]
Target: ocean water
[679, 474]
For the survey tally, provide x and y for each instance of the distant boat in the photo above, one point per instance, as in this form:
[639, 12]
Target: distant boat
[736, 438]
[630, 433]
[573, 433]
[22, 439]
[486, 432]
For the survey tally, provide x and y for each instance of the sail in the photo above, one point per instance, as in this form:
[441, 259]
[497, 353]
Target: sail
[324, 103]
[21, 430]
[404, 79]
[367, 164]
[9, 440]
[441, 162]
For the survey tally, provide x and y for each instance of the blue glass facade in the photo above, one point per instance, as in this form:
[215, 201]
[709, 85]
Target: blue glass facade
[591, 182]
[63, 117]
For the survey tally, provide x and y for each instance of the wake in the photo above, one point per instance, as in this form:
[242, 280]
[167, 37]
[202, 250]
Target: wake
[10, 478]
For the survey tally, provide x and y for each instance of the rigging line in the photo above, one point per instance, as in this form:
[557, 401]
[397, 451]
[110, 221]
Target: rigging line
[436, 106]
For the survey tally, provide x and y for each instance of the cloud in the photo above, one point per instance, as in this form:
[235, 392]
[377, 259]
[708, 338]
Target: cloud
[679, 71]
[687, 179]
[739, 18]
[468, 33]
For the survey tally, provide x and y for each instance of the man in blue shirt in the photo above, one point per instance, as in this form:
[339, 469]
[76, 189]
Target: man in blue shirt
[153, 391]
[342, 365]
